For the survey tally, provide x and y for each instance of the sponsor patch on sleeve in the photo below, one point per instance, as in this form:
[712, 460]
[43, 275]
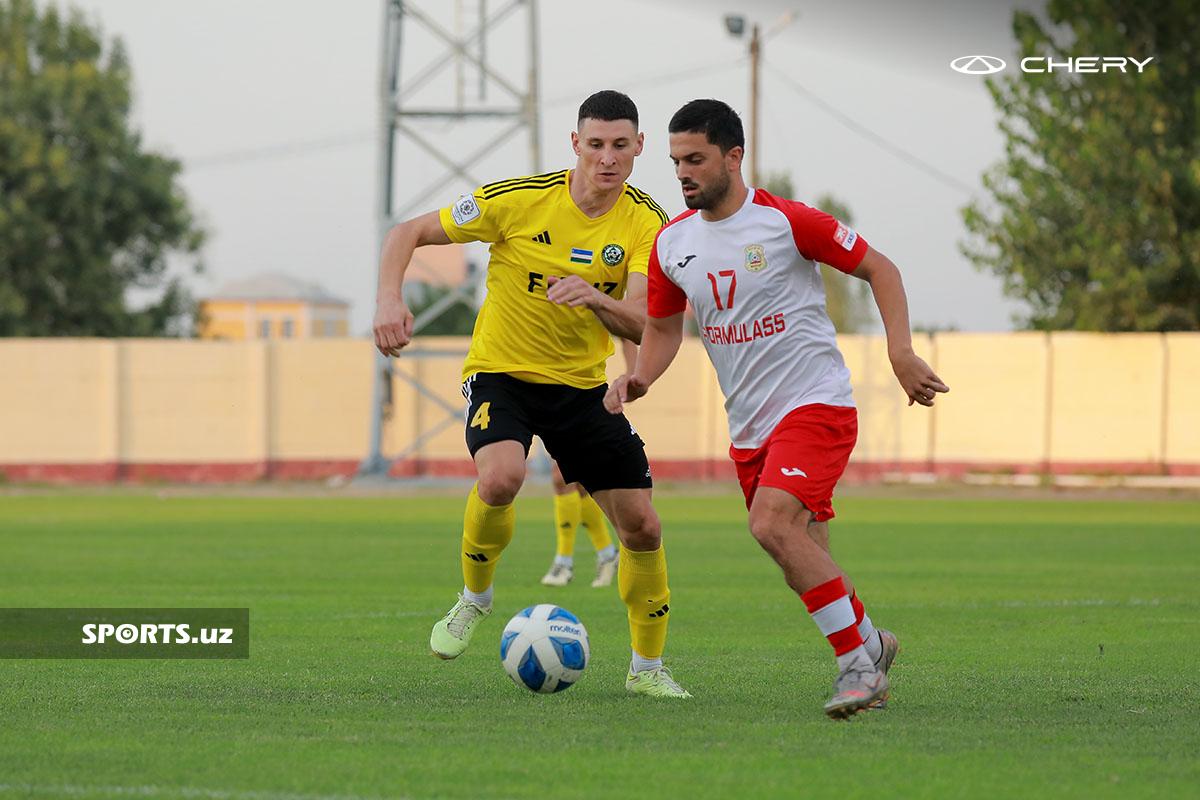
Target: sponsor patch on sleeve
[464, 210]
[846, 237]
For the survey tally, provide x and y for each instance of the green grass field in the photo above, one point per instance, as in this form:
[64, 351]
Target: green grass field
[1049, 650]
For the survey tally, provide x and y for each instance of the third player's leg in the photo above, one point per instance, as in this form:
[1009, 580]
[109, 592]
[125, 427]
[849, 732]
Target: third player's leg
[566, 522]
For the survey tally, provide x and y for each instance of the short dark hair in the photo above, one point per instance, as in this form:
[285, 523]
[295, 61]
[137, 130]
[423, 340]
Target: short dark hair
[719, 123]
[608, 105]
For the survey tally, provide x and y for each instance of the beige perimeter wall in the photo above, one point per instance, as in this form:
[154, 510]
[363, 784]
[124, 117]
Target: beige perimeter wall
[189, 410]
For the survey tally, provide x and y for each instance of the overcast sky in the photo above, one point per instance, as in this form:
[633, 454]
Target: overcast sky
[272, 106]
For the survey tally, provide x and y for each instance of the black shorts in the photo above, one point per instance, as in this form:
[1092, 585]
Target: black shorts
[592, 447]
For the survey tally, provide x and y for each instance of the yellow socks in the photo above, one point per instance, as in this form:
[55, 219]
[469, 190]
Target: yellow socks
[487, 530]
[642, 578]
[566, 521]
[593, 519]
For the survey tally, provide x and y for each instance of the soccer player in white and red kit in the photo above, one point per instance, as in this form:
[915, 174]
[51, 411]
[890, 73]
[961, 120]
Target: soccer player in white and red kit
[748, 263]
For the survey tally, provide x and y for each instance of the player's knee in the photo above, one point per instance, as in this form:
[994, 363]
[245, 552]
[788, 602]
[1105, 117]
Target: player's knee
[641, 530]
[499, 487]
[769, 528]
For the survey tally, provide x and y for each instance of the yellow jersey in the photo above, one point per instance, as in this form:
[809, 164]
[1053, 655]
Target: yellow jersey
[536, 231]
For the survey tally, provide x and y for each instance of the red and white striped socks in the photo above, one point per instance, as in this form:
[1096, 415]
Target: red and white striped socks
[830, 607]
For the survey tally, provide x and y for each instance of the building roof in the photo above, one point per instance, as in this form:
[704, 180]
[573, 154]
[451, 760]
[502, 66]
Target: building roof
[275, 286]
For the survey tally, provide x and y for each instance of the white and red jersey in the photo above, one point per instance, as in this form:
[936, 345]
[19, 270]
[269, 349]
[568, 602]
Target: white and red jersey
[754, 283]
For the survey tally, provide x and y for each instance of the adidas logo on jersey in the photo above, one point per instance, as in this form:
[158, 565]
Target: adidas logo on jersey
[543, 238]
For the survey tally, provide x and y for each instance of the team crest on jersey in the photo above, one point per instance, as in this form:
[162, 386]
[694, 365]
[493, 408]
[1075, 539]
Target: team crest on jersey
[612, 254]
[756, 257]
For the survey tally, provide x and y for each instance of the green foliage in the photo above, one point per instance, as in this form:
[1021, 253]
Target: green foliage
[1093, 218]
[456, 319]
[86, 213]
[848, 302]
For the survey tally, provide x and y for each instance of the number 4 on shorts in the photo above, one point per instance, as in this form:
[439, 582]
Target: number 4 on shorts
[482, 419]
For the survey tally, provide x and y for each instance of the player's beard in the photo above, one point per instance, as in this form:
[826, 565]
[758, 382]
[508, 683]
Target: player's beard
[710, 197]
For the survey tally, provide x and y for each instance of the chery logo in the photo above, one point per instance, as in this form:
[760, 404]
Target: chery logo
[987, 65]
[977, 65]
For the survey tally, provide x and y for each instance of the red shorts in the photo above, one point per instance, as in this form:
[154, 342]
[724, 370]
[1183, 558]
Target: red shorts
[804, 456]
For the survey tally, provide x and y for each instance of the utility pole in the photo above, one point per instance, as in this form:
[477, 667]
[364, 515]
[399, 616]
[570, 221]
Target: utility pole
[735, 25]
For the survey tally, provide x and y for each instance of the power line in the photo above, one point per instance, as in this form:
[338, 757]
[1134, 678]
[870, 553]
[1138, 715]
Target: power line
[862, 130]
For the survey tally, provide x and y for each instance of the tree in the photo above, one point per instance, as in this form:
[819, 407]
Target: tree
[847, 301]
[1093, 218]
[86, 213]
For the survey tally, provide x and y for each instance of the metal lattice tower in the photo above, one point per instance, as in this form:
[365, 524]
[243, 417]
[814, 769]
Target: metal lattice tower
[453, 124]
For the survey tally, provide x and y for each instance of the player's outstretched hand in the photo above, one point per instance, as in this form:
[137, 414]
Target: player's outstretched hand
[572, 291]
[917, 379]
[624, 389]
[393, 326]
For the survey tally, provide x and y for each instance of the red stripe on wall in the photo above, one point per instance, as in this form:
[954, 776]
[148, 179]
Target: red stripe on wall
[212, 472]
[60, 473]
[311, 470]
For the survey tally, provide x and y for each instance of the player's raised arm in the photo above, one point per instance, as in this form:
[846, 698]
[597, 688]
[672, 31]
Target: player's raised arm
[916, 377]
[393, 321]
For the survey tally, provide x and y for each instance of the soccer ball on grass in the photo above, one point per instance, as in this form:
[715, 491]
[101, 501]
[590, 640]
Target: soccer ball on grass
[544, 648]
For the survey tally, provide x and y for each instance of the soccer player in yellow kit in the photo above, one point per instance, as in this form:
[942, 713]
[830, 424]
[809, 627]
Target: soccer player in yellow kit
[566, 272]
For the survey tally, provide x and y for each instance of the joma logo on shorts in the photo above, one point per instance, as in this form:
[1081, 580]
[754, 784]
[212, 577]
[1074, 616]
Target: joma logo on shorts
[793, 472]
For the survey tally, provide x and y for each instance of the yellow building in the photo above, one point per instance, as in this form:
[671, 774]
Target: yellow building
[273, 306]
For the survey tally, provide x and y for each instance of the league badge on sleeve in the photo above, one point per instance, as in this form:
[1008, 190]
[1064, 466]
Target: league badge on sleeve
[756, 257]
[464, 210]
